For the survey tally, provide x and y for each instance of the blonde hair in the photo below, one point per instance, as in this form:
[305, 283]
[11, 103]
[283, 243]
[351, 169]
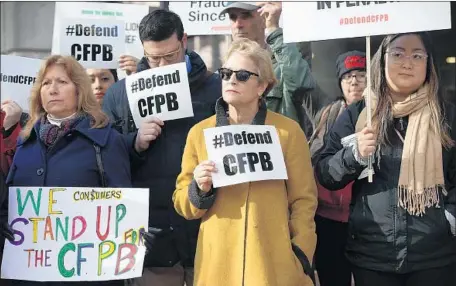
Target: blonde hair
[260, 57]
[87, 102]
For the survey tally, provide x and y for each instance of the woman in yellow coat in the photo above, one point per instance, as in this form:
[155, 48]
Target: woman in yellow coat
[258, 233]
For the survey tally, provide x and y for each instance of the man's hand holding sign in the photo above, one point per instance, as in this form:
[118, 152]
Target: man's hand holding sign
[128, 64]
[149, 130]
[271, 12]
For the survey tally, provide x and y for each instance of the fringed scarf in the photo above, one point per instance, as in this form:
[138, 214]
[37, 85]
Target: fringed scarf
[50, 133]
[421, 174]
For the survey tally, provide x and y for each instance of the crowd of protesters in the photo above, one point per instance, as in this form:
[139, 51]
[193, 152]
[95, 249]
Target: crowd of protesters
[326, 218]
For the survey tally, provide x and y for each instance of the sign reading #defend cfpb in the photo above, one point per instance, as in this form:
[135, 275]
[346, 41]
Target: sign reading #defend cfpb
[17, 76]
[245, 153]
[161, 92]
[94, 43]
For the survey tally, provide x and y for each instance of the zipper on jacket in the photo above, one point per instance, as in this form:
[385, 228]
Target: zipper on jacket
[401, 122]
[395, 228]
[396, 246]
[245, 234]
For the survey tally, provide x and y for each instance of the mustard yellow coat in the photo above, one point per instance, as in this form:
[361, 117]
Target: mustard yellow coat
[246, 236]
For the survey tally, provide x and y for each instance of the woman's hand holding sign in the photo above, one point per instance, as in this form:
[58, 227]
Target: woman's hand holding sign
[367, 142]
[149, 131]
[203, 175]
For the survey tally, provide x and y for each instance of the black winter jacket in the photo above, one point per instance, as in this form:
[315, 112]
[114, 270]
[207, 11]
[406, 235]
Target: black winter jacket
[158, 167]
[382, 235]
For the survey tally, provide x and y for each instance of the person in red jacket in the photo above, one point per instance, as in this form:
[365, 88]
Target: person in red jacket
[11, 121]
[333, 206]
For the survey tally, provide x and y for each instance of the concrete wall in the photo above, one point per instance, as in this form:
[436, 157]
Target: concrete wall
[26, 28]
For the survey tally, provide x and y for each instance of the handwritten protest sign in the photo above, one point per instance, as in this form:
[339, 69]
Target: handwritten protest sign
[245, 153]
[160, 92]
[18, 74]
[94, 43]
[129, 14]
[348, 19]
[75, 234]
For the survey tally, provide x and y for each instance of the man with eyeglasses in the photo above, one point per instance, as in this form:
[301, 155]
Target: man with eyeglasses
[157, 149]
[259, 22]
[332, 213]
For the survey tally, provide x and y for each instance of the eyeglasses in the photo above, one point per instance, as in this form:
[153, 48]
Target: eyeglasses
[169, 57]
[241, 75]
[360, 77]
[399, 57]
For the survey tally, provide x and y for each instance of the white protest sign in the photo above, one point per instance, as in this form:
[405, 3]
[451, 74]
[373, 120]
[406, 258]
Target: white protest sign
[245, 153]
[75, 234]
[130, 14]
[202, 17]
[93, 43]
[18, 74]
[324, 20]
[161, 92]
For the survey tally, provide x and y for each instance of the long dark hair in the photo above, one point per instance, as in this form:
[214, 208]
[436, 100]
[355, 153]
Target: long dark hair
[383, 115]
[114, 74]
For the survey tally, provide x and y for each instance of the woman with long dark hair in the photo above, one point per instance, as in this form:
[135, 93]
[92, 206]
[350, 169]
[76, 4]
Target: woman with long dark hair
[401, 226]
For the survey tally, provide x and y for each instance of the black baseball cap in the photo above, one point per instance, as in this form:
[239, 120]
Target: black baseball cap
[350, 61]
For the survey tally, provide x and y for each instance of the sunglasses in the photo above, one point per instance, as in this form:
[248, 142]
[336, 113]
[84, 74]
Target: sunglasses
[241, 75]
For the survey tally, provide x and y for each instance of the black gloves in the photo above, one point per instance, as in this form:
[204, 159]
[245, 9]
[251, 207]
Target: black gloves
[153, 236]
[5, 229]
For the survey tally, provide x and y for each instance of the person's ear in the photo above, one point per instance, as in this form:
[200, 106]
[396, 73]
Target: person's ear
[184, 41]
[262, 88]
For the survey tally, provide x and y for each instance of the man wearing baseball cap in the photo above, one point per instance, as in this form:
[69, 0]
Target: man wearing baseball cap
[259, 22]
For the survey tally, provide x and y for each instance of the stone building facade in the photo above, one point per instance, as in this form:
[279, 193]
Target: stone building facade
[26, 30]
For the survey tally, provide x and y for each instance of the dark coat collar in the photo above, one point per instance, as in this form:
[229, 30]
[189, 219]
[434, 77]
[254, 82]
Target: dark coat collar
[98, 136]
[221, 113]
